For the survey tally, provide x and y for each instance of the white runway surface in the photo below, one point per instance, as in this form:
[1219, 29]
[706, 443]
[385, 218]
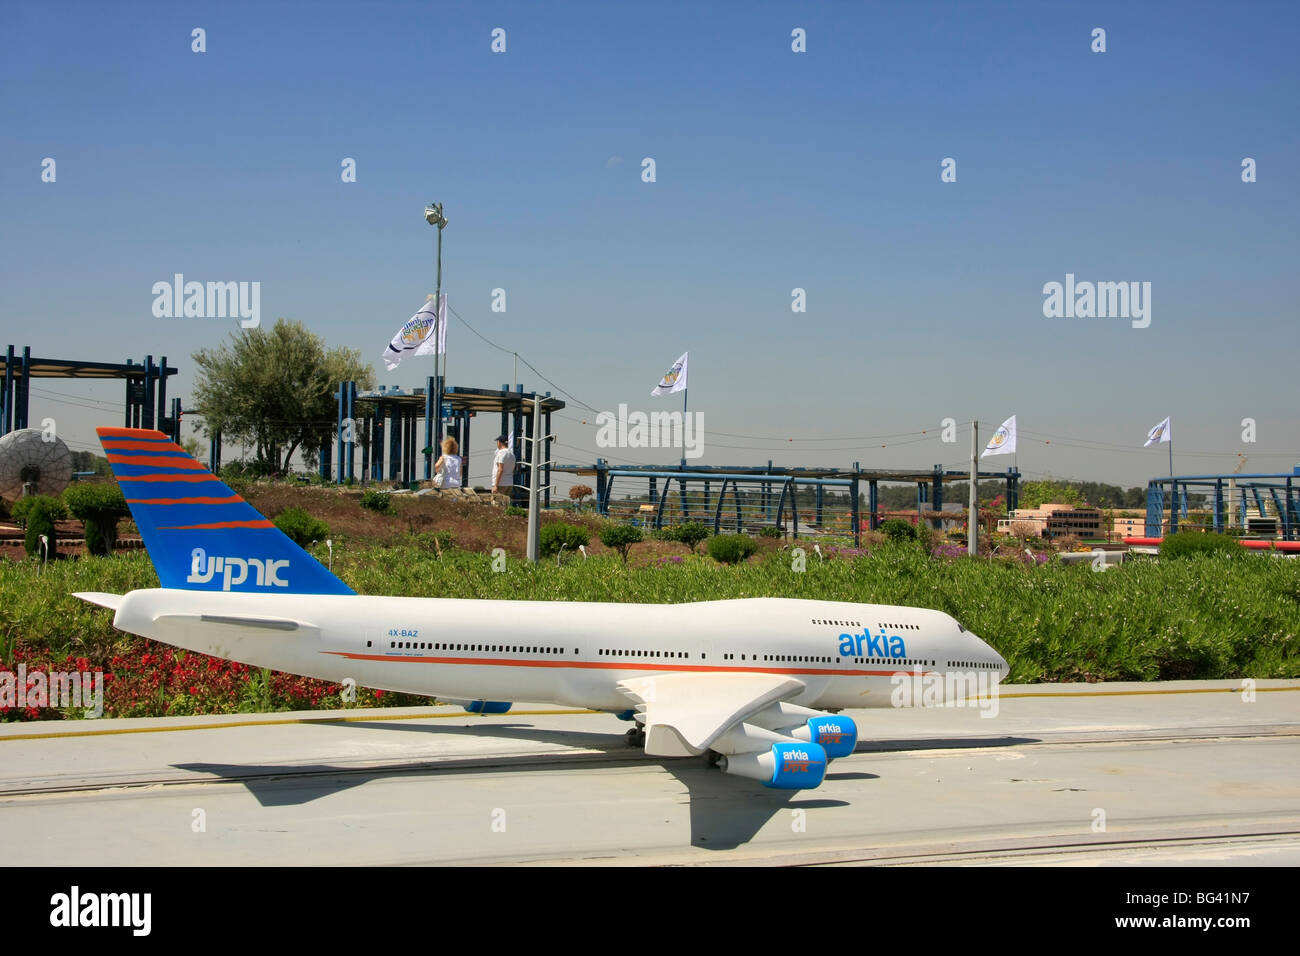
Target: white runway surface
[1186, 773]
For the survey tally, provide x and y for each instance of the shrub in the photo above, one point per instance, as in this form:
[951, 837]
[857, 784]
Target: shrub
[53, 507]
[516, 512]
[1186, 543]
[770, 532]
[731, 548]
[562, 534]
[301, 527]
[620, 537]
[898, 529]
[689, 533]
[40, 512]
[377, 501]
[99, 508]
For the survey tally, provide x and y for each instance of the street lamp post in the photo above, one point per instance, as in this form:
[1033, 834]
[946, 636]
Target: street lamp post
[433, 215]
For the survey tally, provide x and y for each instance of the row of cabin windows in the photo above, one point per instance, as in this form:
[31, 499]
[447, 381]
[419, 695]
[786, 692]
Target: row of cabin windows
[607, 652]
[974, 665]
[908, 661]
[837, 623]
[903, 627]
[491, 648]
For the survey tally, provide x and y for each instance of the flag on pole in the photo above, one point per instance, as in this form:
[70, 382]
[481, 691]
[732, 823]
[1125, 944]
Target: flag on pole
[1162, 432]
[416, 336]
[1003, 441]
[674, 379]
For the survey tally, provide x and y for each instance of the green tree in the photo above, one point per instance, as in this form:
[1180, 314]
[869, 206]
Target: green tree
[620, 537]
[273, 389]
[99, 508]
[1035, 494]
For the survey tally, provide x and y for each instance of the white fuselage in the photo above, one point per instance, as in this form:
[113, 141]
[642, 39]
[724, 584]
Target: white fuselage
[563, 652]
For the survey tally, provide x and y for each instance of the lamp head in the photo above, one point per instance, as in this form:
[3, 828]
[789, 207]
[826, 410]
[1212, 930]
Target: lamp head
[433, 215]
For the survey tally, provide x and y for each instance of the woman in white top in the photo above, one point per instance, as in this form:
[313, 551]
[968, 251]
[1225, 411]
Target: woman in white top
[448, 465]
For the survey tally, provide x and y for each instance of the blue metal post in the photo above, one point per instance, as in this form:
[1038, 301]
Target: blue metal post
[22, 389]
[352, 431]
[7, 406]
[873, 503]
[936, 493]
[342, 396]
[1218, 506]
[853, 499]
[161, 374]
[150, 376]
[394, 440]
[365, 448]
[1155, 509]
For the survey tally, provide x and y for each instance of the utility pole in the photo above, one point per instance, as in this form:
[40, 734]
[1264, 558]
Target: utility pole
[534, 482]
[973, 522]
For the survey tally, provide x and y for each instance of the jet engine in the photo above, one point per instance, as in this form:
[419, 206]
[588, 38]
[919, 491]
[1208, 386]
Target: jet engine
[836, 733]
[773, 759]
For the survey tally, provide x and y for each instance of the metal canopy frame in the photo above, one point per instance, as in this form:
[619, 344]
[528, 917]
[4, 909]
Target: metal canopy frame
[1175, 491]
[146, 388]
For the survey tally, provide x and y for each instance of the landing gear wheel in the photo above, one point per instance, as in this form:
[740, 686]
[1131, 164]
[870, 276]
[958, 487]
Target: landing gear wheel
[636, 737]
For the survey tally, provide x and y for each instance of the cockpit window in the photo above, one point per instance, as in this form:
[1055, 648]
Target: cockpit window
[960, 629]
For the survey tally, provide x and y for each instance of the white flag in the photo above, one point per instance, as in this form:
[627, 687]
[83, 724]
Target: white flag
[416, 336]
[674, 379]
[1003, 441]
[1162, 432]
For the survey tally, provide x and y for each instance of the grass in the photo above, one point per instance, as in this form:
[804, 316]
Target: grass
[1200, 617]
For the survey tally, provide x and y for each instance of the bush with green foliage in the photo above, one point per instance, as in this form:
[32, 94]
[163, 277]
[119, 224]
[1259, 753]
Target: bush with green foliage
[301, 527]
[38, 513]
[515, 512]
[1186, 543]
[53, 507]
[770, 531]
[898, 529]
[377, 501]
[689, 533]
[99, 508]
[562, 534]
[731, 548]
[620, 537]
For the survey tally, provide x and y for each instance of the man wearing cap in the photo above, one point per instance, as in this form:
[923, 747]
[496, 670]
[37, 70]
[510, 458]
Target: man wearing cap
[503, 468]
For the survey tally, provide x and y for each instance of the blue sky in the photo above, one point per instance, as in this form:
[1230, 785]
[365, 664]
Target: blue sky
[775, 170]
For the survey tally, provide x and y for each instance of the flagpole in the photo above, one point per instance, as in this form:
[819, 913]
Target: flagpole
[685, 394]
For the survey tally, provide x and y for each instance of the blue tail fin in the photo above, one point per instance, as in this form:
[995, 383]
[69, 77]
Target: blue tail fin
[200, 535]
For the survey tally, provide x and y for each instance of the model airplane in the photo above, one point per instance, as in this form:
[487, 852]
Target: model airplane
[755, 683]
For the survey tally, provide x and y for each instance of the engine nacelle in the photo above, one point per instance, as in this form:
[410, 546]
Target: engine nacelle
[488, 706]
[836, 733]
[786, 766]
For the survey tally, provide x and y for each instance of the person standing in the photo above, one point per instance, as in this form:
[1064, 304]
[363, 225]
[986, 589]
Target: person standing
[503, 468]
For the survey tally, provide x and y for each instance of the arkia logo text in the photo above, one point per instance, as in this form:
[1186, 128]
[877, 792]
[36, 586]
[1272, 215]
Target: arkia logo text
[235, 570]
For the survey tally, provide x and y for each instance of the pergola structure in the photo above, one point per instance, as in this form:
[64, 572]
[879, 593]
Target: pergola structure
[1278, 490]
[146, 389]
[367, 418]
[778, 486]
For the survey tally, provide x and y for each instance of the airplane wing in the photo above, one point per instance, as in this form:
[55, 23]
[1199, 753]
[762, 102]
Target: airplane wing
[685, 713]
